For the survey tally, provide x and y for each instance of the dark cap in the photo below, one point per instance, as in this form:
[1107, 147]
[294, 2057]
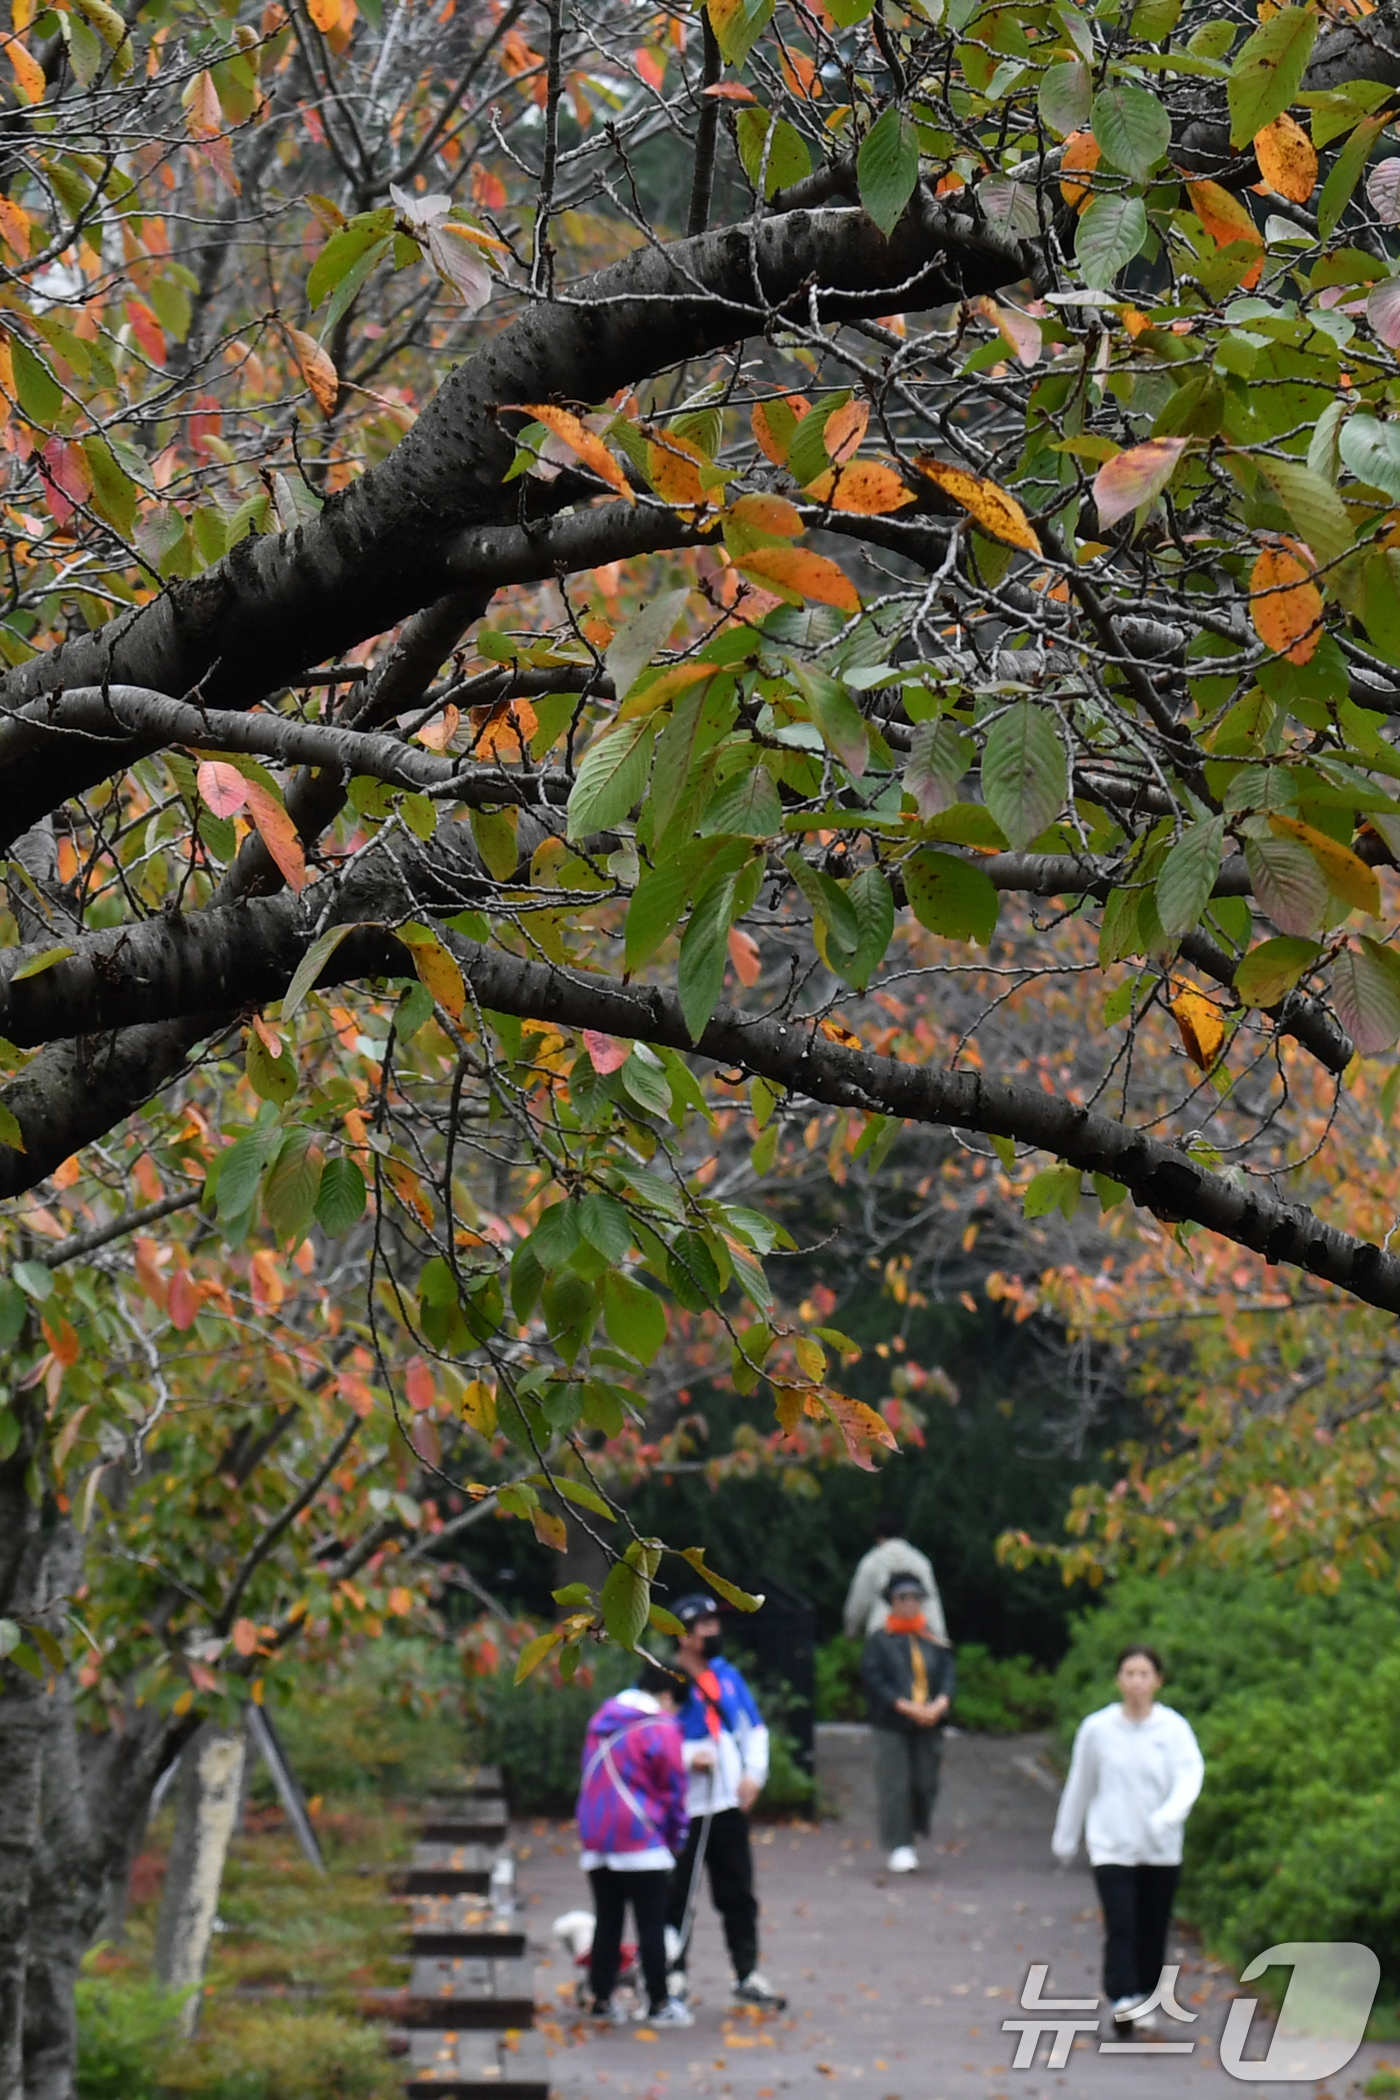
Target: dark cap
[690, 1610]
[904, 1579]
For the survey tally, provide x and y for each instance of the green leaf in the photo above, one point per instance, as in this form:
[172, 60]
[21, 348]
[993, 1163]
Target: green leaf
[9, 1434]
[1064, 97]
[951, 896]
[1024, 776]
[311, 966]
[1054, 1188]
[340, 1199]
[638, 639]
[1189, 874]
[494, 832]
[38, 963]
[348, 245]
[535, 1651]
[1316, 512]
[704, 952]
[1380, 583]
[1110, 233]
[872, 901]
[238, 1171]
[604, 1223]
[1346, 173]
[887, 168]
[13, 1313]
[738, 29]
[1268, 71]
[271, 1078]
[742, 1600]
[1366, 994]
[1273, 968]
[788, 158]
[839, 719]
[35, 1279]
[292, 1186]
[626, 1601]
[40, 395]
[1288, 884]
[746, 806]
[612, 776]
[1372, 451]
[10, 1132]
[114, 493]
[634, 1316]
[1133, 128]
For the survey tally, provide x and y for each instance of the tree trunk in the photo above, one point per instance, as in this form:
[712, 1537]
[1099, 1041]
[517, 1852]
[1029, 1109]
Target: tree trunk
[211, 1779]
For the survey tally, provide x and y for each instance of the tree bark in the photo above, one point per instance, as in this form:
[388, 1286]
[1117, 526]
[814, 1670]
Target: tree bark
[211, 1781]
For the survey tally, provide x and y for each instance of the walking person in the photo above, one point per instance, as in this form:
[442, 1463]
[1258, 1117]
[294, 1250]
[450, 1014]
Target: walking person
[909, 1681]
[726, 1755]
[632, 1823]
[1134, 1775]
[867, 1600]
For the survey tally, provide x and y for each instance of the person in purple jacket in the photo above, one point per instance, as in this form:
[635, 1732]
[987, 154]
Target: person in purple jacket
[632, 1823]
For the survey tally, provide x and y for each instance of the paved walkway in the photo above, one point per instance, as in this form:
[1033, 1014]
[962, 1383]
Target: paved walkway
[897, 1985]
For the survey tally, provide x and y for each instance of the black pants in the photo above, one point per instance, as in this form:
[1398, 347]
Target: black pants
[612, 1892]
[1137, 1909]
[729, 1864]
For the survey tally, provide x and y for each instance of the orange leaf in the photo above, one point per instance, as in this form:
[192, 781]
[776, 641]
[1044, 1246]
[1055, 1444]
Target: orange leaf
[203, 115]
[795, 571]
[550, 1530]
[14, 226]
[222, 786]
[1284, 603]
[1202, 1029]
[673, 469]
[400, 1601]
[410, 1190]
[767, 514]
[63, 1340]
[997, 514]
[29, 74]
[147, 330]
[182, 1301]
[1226, 220]
[1287, 159]
[278, 833]
[1080, 156]
[439, 734]
[419, 1384]
[774, 423]
[868, 489]
[324, 13]
[730, 91]
[245, 1637]
[860, 1427]
[743, 953]
[584, 443]
[845, 429]
[317, 369]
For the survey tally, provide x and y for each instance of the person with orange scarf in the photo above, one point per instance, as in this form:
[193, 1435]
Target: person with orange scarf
[909, 1681]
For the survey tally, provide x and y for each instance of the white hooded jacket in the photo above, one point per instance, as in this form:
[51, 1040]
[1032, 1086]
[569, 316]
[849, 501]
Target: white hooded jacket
[1130, 1789]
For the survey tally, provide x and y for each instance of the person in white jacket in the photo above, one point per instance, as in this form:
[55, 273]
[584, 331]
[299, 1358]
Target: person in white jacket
[1134, 1775]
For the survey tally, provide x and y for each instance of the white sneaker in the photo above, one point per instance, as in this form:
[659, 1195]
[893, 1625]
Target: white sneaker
[903, 1860]
[1147, 2023]
[754, 1989]
[672, 2014]
[1123, 2010]
[678, 1985]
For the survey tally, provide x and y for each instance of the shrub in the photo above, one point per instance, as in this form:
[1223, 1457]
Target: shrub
[1001, 1695]
[273, 2052]
[387, 1721]
[534, 1731]
[839, 1696]
[1296, 1701]
[125, 2026]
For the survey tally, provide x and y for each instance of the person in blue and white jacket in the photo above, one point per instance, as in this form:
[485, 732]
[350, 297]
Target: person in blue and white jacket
[725, 1746]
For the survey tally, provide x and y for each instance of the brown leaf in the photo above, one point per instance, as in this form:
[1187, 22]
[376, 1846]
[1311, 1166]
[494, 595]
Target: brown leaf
[317, 369]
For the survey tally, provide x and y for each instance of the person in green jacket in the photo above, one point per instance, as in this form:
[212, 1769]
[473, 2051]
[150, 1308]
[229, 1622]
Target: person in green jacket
[909, 1681]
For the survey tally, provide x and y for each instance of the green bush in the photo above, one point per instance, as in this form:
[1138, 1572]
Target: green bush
[1296, 1701]
[125, 2027]
[273, 2052]
[387, 1721]
[534, 1731]
[1001, 1694]
[839, 1696]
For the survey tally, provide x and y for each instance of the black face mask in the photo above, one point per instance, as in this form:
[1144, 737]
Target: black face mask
[712, 1646]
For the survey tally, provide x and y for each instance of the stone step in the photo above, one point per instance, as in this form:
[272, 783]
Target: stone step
[469, 1822]
[447, 1870]
[470, 1991]
[450, 1925]
[452, 2065]
[481, 1779]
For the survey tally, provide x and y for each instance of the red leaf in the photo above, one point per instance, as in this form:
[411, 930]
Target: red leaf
[147, 330]
[419, 1384]
[182, 1301]
[222, 786]
[743, 953]
[607, 1053]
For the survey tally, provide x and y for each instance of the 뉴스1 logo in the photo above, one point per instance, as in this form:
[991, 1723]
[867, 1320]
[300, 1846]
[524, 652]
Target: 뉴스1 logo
[1320, 2025]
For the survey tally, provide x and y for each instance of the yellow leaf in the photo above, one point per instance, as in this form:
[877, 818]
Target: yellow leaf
[1287, 159]
[316, 369]
[998, 514]
[439, 972]
[410, 1191]
[1346, 874]
[14, 226]
[479, 1407]
[810, 1355]
[1080, 156]
[795, 571]
[583, 442]
[550, 1529]
[1201, 1026]
[1284, 603]
[767, 514]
